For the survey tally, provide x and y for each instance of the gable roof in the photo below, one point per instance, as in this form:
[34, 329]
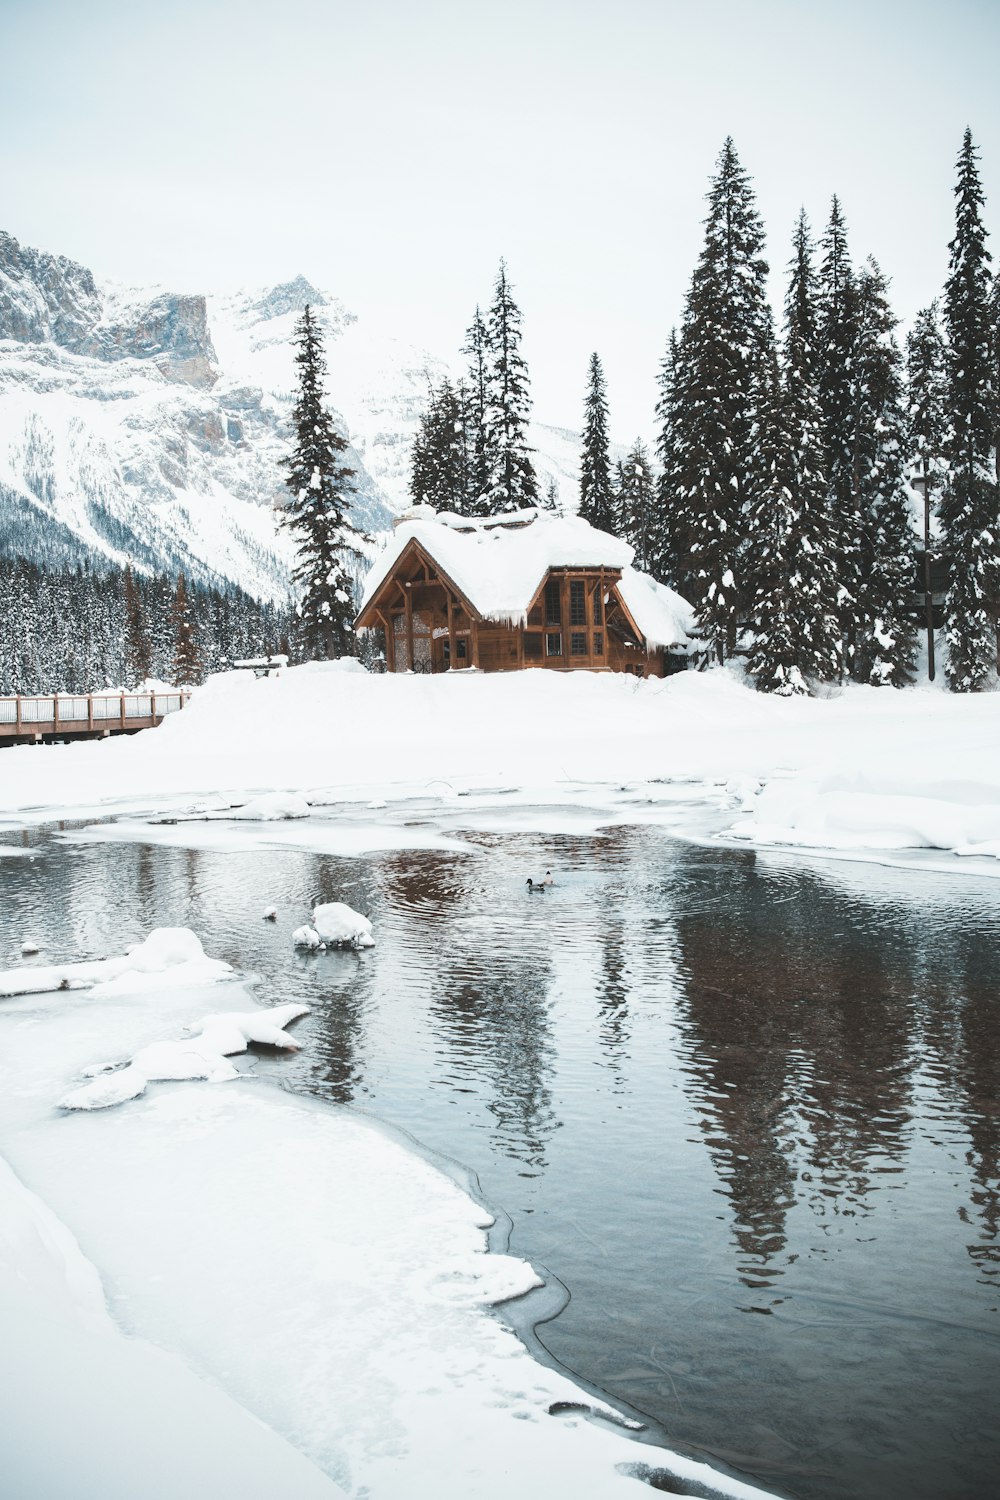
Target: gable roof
[500, 562]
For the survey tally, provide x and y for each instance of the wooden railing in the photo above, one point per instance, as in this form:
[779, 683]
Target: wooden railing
[85, 713]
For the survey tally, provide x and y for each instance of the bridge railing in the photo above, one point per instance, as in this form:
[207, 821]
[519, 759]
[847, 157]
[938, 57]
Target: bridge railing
[79, 710]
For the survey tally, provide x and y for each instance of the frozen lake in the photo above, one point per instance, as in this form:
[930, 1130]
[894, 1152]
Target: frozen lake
[743, 1107]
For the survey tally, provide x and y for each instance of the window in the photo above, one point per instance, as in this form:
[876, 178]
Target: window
[598, 607]
[553, 643]
[577, 603]
[553, 608]
[598, 642]
[532, 645]
[578, 643]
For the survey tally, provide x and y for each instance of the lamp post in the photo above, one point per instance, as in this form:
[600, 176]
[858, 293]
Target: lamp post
[925, 482]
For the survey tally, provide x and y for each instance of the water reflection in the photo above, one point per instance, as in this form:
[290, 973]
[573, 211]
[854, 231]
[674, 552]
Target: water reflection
[704, 1085]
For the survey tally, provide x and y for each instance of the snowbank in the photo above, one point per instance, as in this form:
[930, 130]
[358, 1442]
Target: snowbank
[316, 1273]
[337, 736]
[84, 1410]
[169, 957]
[829, 814]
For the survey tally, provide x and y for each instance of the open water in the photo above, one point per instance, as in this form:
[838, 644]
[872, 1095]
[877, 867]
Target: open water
[745, 1108]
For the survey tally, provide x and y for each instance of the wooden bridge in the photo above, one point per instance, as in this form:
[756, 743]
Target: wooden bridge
[74, 716]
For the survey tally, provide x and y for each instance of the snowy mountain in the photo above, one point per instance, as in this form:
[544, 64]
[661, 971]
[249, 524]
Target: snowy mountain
[150, 426]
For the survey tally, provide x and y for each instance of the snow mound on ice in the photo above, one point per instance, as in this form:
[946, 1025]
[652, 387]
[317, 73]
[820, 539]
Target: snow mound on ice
[200, 1056]
[169, 956]
[272, 807]
[338, 925]
[306, 937]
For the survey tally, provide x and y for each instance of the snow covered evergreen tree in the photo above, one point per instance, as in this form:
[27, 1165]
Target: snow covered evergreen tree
[716, 399]
[138, 652]
[475, 347]
[927, 396]
[884, 641]
[970, 507]
[838, 331]
[327, 543]
[796, 631]
[670, 542]
[511, 483]
[186, 667]
[636, 499]
[596, 494]
[440, 462]
[777, 607]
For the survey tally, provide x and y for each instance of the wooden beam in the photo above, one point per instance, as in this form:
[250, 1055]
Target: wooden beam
[451, 634]
[475, 644]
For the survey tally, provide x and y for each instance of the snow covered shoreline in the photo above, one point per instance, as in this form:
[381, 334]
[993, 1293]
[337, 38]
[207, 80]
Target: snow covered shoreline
[867, 769]
[306, 1300]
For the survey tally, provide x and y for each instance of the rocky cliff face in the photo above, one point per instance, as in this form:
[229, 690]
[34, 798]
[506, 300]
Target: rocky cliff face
[151, 427]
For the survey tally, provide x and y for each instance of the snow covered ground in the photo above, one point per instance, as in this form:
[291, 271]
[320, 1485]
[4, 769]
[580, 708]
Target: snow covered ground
[299, 1304]
[301, 1299]
[868, 769]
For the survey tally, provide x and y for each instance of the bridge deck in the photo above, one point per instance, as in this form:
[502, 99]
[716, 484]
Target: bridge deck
[83, 715]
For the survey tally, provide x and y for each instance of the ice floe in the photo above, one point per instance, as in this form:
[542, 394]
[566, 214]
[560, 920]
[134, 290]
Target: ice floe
[168, 957]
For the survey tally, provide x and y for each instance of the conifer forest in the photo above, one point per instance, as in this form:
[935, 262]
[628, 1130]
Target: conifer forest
[804, 456]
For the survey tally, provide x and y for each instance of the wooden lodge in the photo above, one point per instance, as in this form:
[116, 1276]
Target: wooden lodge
[526, 589]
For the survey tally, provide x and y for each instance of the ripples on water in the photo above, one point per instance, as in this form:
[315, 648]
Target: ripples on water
[745, 1108]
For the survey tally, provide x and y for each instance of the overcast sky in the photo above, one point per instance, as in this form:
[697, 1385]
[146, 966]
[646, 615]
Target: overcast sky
[393, 150]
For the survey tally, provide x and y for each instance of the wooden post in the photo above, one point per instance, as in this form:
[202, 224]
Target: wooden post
[564, 611]
[90, 712]
[451, 635]
[123, 711]
[409, 629]
[55, 710]
[152, 707]
[390, 640]
[17, 714]
[475, 643]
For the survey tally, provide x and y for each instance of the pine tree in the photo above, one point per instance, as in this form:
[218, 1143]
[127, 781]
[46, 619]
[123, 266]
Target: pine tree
[550, 499]
[777, 605]
[440, 465]
[671, 541]
[475, 347]
[327, 543]
[970, 511]
[838, 332]
[636, 500]
[885, 634]
[927, 396]
[796, 632]
[138, 653]
[596, 496]
[511, 483]
[716, 378]
[186, 668]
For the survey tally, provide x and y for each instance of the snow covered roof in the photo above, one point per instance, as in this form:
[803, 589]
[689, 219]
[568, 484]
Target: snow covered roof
[661, 614]
[500, 562]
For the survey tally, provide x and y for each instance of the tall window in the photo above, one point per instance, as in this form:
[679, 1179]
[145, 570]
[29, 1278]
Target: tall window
[598, 607]
[553, 606]
[577, 603]
[553, 643]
